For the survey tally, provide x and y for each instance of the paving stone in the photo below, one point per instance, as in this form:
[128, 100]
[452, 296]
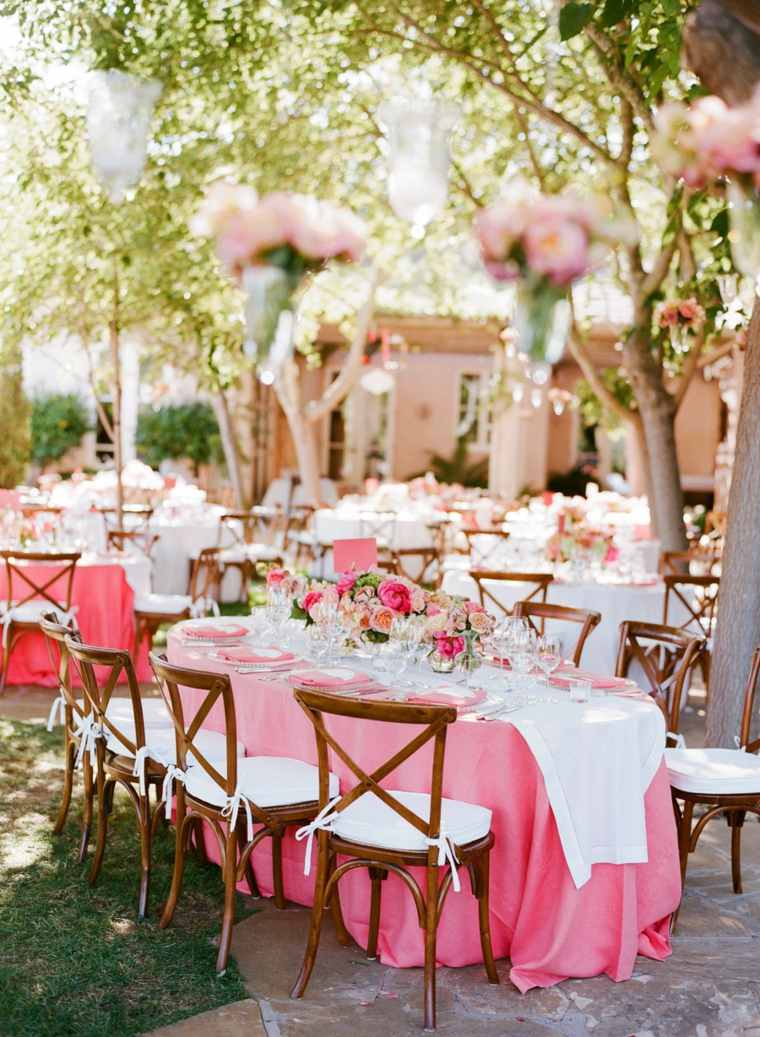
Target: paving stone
[241, 1017]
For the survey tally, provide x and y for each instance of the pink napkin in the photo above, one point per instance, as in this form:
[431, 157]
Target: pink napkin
[329, 678]
[596, 681]
[210, 630]
[463, 700]
[248, 655]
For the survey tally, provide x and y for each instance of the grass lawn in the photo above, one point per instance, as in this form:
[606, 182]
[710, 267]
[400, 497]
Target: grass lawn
[73, 959]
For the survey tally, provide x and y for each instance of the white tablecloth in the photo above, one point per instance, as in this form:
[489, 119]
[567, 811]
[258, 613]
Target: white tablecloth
[616, 602]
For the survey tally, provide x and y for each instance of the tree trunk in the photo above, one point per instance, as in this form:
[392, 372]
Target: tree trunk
[665, 493]
[738, 629]
[230, 447]
[305, 443]
[118, 460]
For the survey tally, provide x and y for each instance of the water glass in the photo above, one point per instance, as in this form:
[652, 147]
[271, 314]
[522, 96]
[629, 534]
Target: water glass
[580, 691]
[548, 655]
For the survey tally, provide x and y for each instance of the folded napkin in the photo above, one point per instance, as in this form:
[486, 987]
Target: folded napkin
[212, 631]
[332, 678]
[255, 655]
[595, 680]
[463, 699]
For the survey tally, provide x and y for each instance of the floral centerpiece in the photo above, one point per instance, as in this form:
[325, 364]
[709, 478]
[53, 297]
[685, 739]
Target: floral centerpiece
[701, 142]
[543, 243]
[578, 542]
[269, 245]
[370, 601]
[455, 626]
[683, 318]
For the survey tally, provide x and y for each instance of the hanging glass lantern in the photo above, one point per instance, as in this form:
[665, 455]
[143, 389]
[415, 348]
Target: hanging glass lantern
[542, 323]
[377, 381]
[118, 124]
[744, 214]
[418, 156]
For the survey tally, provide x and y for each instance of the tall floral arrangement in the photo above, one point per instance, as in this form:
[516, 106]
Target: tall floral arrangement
[543, 243]
[370, 601]
[268, 245]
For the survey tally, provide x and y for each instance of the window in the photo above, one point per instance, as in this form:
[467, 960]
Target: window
[474, 410]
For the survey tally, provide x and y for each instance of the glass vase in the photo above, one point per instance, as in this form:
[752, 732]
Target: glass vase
[440, 663]
[542, 320]
[744, 215]
[269, 318]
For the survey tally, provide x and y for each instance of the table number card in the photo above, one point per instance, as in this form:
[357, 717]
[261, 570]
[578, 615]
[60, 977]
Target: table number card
[356, 554]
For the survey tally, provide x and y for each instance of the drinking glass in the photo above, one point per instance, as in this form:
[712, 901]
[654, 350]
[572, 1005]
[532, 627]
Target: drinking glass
[548, 655]
[580, 691]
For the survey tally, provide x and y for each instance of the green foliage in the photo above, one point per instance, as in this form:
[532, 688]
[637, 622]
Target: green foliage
[14, 420]
[179, 430]
[458, 468]
[592, 410]
[59, 421]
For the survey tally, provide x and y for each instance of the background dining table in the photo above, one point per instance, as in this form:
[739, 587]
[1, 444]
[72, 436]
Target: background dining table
[550, 921]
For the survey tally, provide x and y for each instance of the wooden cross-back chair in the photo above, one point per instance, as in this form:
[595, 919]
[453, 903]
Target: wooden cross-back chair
[28, 595]
[537, 584]
[538, 612]
[155, 610]
[667, 657]
[133, 516]
[700, 559]
[115, 741]
[226, 793]
[486, 547]
[697, 599]
[726, 782]
[420, 564]
[300, 540]
[241, 550]
[135, 541]
[73, 711]
[379, 524]
[421, 841]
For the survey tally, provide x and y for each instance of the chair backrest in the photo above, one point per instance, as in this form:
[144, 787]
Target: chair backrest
[206, 575]
[537, 582]
[188, 721]
[237, 528]
[419, 564]
[696, 597]
[135, 541]
[98, 692]
[486, 547]
[298, 520]
[55, 639]
[133, 516]
[538, 612]
[378, 524]
[667, 656]
[42, 585]
[435, 719]
[750, 693]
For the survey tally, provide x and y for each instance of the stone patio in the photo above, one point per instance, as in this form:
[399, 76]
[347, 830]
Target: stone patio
[710, 987]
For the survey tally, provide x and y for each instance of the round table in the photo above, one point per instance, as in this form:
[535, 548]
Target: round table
[550, 927]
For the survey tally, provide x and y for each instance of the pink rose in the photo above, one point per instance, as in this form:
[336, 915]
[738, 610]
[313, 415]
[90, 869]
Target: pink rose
[418, 600]
[310, 599]
[481, 622]
[473, 606]
[381, 619]
[433, 609]
[275, 577]
[557, 248]
[364, 595]
[449, 647]
[346, 583]
[395, 595]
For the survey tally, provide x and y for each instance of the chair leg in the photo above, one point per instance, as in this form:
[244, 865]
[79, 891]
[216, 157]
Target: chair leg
[377, 875]
[315, 927]
[10, 644]
[343, 935]
[279, 891]
[250, 877]
[431, 926]
[180, 838]
[89, 793]
[145, 850]
[736, 821]
[68, 784]
[684, 840]
[481, 871]
[103, 812]
[228, 917]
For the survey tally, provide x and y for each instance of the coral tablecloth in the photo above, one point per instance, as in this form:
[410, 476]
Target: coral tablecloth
[547, 927]
[104, 601]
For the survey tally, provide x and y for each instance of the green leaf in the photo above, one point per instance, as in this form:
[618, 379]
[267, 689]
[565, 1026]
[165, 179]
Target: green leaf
[573, 18]
[616, 10]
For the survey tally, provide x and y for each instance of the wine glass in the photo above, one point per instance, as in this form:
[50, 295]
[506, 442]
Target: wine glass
[548, 655]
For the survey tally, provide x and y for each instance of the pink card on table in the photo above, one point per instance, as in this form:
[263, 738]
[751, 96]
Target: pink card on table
[354, 555]
[10, 499]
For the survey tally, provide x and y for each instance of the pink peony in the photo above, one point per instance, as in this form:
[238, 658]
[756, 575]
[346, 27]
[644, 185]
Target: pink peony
[346, 583]
[557, 248]
[395, 595]
[275, 577]
[449, 647]
[310, 599]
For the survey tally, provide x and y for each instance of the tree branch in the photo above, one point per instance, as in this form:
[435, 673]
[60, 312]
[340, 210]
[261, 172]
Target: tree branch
[334, 395]
[619, 77]
[689, 369]
[467, 184]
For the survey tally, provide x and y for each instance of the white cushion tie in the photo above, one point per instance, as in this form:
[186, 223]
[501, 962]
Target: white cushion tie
[446, 855]
[231, 809]
[737, 743]
[173, 774]
[678, 739]
[143, 754]
[89, 733]
[56, 710]
[202, 606]
[323, 820]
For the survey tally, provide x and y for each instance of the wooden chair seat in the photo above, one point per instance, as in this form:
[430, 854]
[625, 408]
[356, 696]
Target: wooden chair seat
[269, 781]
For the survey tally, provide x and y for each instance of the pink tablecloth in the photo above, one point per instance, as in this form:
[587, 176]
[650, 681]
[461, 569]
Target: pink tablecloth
[547, 927]
[105, 614]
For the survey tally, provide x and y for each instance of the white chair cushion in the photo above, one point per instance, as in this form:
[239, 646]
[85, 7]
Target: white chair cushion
[29, 612]
[249, 553]
[713, 771]
[155, 713]
[163, 746]
[166, 604]
[371, 822]
[267, 781]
